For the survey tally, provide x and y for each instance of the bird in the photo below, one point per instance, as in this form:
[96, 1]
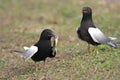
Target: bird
[41, 49]
[91, 34]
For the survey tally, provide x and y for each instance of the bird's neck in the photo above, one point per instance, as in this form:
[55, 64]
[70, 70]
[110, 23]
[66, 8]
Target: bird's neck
[87, 20]
[44, 38]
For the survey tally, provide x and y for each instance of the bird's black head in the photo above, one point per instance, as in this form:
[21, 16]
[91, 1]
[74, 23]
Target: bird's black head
[47, 34]
[86, 11]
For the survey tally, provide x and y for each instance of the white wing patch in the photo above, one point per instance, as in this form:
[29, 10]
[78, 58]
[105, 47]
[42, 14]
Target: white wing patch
[25, 47]
[97, 35]
[29, 52]
[77, 28]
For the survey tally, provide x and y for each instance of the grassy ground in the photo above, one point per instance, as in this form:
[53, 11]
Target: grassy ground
[21, 22]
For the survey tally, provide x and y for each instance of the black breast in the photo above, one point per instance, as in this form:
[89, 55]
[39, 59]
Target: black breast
[44, 50]
[83, 32]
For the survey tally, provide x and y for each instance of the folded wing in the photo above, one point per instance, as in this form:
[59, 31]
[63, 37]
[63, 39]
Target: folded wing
[98, 36]
[28, 52]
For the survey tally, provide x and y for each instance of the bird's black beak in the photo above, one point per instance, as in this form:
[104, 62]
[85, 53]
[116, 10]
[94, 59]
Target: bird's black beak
[53, 35]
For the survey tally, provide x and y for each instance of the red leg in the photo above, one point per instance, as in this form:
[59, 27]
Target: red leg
[95, 51]
[88, 48]
[44, 65]
[94, 48]
[35, 66]
[96, 68]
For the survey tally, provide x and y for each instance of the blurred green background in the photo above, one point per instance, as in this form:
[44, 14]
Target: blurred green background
[21, 22]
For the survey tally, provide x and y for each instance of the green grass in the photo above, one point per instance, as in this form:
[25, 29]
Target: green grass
[21, 23]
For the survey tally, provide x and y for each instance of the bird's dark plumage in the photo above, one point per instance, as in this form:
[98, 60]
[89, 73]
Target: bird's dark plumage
[44, 46]
[85, 24]
[42, 49]
[90, 33]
